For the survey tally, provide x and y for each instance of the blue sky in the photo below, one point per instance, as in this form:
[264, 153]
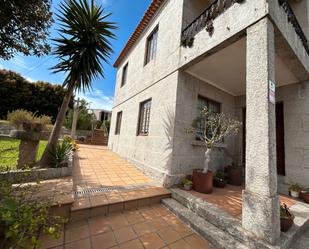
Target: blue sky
[126, 13]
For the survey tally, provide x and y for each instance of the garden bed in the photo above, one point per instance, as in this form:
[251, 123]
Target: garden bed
[35, 174]
[9, 148]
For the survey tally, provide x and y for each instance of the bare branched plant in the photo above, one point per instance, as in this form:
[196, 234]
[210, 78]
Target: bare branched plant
[212, 128]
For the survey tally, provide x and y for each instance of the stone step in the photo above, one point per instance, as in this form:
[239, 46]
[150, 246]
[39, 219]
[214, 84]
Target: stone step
[95, 205]
[233, 227]
[219, 238]
[210, 212]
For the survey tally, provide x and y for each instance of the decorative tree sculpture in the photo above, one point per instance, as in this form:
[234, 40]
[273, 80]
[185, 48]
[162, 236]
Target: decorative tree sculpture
[212, 128]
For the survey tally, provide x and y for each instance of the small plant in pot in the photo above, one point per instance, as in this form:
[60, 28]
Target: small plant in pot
[234, 175]
[219, 180]
[211, 128]
[295, 189]
[286, 218]
[305, 195]
[187, 184]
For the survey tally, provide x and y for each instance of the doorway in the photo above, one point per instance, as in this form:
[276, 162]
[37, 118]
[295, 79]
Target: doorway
[280, 147]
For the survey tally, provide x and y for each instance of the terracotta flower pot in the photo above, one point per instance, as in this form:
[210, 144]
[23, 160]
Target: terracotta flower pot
[219, 183]
[286, 223]
[194, 175]
[203, 182]
[234, 176]
[305, 196]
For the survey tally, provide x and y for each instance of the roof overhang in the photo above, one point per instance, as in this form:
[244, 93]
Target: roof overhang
[148, 16]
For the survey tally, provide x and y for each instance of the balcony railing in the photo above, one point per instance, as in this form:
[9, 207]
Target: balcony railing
[205, 20]
[293, 20]
[217, 7]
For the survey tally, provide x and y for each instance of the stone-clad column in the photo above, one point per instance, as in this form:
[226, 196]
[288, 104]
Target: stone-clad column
[261, 214]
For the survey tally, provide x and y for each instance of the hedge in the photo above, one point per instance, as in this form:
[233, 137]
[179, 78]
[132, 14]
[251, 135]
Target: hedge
[18, 93]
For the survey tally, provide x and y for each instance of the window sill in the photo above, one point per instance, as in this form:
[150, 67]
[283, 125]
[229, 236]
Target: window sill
[202, 144]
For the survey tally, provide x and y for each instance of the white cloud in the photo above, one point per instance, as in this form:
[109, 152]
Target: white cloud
[19, 62]
[30, 79]
[97, 99]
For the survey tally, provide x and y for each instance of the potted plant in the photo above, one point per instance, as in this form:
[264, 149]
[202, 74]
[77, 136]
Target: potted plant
[295, 189]
[219, 180]
[305, 195]
[234, 175]
[286, 218]
[211, 128]
[187, 184]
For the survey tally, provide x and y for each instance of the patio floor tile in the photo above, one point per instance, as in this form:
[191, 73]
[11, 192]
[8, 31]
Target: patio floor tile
[81, 244]
[133, 244]
[152, 241]
[168, 235]
[103, 241]
[124, 234]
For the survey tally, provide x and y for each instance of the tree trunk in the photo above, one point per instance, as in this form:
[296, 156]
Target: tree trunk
[55, 134]
[207, 159]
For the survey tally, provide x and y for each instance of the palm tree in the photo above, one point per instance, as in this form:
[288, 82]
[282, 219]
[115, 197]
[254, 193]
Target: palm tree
[83, 45]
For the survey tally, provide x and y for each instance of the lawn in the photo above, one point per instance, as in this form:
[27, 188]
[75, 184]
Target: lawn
[9, 152]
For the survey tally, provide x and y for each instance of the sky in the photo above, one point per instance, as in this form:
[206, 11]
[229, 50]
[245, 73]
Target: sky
[126, 13]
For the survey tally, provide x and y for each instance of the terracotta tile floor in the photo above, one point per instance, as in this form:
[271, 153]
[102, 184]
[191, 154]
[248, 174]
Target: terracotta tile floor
[145, 228]
[230, 199]
[96, 167]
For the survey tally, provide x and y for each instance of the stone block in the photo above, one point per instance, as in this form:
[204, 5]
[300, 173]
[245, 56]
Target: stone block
[261, 216]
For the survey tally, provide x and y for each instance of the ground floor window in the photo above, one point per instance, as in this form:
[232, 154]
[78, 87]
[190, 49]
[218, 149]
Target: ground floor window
[212, 106]
[144, 117]
[118, 123]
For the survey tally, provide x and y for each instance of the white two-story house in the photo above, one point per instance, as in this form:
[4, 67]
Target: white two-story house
[227, 55]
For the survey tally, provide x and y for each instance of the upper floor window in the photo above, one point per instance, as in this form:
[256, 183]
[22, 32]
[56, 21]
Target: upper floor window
[211, 106]
[118, 123]
[151, 46]
[124, 75]
[144, 117]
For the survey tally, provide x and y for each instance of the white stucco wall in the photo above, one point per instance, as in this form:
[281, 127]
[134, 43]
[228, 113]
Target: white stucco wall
[295, 99]
[187, 155]
[167, 152]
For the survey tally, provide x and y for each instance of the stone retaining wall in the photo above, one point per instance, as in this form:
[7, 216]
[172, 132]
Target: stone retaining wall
[35, 174]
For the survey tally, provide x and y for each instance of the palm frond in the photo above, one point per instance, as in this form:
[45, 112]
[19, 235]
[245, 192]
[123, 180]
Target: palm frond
[84, 43]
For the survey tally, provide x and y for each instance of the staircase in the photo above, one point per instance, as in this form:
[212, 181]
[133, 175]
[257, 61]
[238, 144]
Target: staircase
[223, 230]
[99, 138]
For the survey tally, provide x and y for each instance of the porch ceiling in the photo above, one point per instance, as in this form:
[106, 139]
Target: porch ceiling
[226, 69]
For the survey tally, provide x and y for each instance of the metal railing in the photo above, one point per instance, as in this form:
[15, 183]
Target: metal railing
[205, 20]
[293, 20]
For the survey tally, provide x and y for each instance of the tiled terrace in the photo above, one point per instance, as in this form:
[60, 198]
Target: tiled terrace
[146, 228]
[229, 199]
[127, 217]
[96, 167]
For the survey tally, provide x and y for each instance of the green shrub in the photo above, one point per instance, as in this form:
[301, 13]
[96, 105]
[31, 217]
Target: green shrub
[22, 220]
[70, 140]
[18, 117]
[60, 153]
[17, 93]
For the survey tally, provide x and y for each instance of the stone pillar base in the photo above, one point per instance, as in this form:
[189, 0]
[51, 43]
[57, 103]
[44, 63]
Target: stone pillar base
[261, 216]
[27, 153]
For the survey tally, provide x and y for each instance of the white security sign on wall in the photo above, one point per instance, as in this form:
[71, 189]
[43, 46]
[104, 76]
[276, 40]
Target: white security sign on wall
[272, 92]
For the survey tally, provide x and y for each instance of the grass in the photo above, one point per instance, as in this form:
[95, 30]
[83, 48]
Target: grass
[9, 152]
[4, 122]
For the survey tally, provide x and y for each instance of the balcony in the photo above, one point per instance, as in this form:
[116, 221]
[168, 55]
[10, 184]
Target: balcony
[218, 7]
[293, 20]
[205, 20]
